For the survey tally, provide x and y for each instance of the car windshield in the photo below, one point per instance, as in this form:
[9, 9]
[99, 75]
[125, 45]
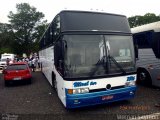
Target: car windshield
[17, 67]
[98, 55]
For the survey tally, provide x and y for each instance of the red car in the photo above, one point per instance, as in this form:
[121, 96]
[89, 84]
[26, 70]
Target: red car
[16, 72]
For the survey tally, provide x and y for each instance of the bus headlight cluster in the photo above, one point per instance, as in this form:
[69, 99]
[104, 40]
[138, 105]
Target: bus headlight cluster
[78, 91]
[130, 83]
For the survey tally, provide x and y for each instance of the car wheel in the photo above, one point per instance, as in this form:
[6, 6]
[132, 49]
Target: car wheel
[6, 83]
[29, 81]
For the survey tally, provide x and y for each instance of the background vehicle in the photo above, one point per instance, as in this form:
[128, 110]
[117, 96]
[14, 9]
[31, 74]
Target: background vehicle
[147, 39]
[88, 57]
[16, 72]
[4, 58]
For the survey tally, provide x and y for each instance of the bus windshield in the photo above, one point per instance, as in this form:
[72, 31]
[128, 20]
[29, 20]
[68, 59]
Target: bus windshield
[97, 55]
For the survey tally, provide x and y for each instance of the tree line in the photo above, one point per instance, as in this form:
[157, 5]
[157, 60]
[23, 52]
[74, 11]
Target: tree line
[138, 20]
[25, 28]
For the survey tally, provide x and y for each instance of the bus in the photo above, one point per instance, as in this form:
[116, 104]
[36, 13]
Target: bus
[89, 58]
[4, 57]
[147, 39]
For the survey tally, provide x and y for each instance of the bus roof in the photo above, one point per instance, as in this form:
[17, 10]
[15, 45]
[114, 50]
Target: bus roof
[93, 21]
[155, 26]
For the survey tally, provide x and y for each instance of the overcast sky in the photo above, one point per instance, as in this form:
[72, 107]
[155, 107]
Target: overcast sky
[51, 7]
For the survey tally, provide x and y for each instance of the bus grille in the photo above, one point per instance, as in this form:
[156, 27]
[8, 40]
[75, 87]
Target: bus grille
[104, 89]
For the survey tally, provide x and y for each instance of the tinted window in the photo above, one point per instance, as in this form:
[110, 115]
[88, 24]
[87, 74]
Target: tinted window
[51, 34]
[56, 28]
[17, 67]
[87, 21]
[86, 56]
[143, 40]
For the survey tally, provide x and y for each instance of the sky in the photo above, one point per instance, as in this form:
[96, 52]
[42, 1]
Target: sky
[51, 7]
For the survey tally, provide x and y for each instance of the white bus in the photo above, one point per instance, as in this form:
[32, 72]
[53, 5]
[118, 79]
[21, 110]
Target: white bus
[89, 58]
[147, 39]
[4, 57]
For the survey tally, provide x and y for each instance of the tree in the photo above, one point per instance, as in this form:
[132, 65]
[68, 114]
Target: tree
[25, 24]
[6, 38]
[137, 20]
[40, 30]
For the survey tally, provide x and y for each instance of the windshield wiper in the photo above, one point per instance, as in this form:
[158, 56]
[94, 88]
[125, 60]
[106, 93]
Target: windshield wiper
[118, 65]
[101, 60]
[107, 48]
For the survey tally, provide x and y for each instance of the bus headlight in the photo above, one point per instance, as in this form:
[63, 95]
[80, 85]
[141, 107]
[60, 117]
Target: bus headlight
[78, 91]
[130, 83]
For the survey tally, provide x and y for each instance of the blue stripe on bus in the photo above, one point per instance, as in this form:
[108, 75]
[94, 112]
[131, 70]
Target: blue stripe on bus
[88, 99]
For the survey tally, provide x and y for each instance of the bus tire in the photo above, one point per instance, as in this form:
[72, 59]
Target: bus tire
[143, 77]
[54, 83]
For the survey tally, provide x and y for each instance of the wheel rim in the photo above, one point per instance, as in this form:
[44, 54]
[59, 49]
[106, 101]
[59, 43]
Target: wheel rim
[142, 76]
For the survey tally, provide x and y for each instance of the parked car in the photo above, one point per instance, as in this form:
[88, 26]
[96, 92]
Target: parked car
[16, 72]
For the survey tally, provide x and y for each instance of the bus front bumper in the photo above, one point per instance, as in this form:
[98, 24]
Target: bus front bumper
[88, 99]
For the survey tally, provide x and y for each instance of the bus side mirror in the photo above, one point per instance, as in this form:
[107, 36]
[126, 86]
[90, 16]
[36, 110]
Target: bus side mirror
[136, 51]
[60, 64]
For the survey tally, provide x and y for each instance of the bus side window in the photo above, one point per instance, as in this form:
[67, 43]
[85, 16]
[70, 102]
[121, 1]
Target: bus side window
[55, 29]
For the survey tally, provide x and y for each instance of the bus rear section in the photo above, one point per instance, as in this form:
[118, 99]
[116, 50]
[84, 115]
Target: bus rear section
[146, 38]
[91, 58]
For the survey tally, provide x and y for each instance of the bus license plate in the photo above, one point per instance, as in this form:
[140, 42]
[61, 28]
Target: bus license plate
[17, 78]
[107, 97]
